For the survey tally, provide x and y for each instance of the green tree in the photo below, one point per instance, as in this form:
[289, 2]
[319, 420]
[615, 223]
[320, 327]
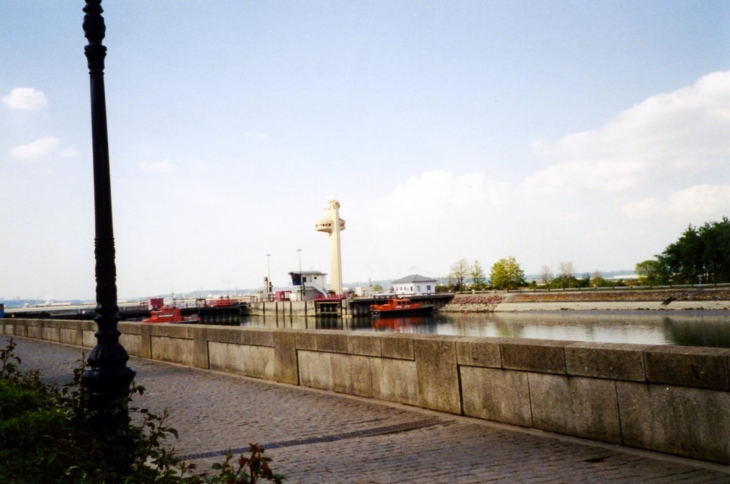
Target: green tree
[377, 288]
[700, 254]
[478, 278]
[651, 272]
[597, 279]
[567, 274]
[506, 274]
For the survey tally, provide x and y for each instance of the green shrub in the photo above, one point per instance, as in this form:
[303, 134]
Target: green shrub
[47, 434]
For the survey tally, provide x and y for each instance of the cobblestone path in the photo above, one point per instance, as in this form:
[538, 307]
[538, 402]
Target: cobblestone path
[318, 437]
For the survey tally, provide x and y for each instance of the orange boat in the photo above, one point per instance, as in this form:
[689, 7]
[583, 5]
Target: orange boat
[400, 306]
[170, 314]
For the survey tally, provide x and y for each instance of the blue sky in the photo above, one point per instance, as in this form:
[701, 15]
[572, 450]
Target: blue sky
[590, 132]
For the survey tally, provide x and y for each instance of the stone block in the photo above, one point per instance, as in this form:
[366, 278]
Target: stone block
[132, 343]
[232, 335]
[50, 332]
[145, 335]
[285, 356]
[315, 370]
[582, 407]
[258, 336]
[174, 350]
[70, 336]
[399, 346]
[34, 331]
[351, 375]
[483, 352]
[606, 360]
[438, 378]
[363, 344]
[127, 327]
[89, 340]
[541, 356]
[688, 366]
[498, 395]
[692, 422]
[253, 361]
[332, 341]
[307, 340]
[180, 331]
[394, 380]
[200, 347]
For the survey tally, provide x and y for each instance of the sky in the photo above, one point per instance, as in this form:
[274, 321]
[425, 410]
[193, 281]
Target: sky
[551, 131]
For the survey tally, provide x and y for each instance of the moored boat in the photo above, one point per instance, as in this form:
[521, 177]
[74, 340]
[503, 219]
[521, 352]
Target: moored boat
[170, 314]
[400, 306]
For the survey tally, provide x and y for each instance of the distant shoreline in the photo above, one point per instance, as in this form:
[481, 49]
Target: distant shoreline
[615, 306]
[686, 299]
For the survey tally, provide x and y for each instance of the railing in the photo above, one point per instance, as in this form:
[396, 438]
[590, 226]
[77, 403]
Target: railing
[330, 298]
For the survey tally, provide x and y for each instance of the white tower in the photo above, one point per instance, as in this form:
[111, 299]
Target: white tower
[333, 224]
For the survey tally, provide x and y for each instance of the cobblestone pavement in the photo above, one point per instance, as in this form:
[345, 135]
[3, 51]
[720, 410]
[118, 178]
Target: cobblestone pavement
[318, 437]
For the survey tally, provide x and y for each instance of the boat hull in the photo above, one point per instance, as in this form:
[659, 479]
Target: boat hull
[394, 313]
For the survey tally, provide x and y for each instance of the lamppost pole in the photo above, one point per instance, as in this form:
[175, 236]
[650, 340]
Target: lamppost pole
[109, 377]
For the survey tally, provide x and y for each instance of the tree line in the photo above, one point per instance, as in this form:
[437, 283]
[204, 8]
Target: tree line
[700, 255]
[507, 273]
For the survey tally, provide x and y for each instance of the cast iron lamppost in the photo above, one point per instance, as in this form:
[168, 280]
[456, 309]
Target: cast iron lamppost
[109, 377]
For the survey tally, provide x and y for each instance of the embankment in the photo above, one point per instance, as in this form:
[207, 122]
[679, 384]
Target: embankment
[670, 399]
[625, 299]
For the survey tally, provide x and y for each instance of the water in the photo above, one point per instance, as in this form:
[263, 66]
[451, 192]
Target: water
[701, 328]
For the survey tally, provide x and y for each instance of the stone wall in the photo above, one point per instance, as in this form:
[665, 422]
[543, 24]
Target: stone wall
[670, 399]
[623, 295]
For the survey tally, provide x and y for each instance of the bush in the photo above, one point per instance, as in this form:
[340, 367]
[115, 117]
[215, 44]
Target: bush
[48, 435]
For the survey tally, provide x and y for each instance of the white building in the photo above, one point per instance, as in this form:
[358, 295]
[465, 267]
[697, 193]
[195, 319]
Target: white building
[314, 283]
[414, 285]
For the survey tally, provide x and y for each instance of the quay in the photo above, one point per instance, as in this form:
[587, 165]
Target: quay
[669, 399]
[315, 436]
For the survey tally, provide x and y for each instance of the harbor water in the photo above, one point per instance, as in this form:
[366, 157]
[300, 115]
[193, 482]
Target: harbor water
[687, 328]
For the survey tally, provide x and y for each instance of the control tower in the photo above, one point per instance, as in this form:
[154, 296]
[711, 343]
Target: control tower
[333, 225]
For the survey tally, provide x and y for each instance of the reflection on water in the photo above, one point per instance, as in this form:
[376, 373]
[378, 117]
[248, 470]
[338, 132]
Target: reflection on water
[705, 328]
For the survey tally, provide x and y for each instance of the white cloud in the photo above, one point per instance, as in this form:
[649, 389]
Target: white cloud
[602, 175]
[26, 98]
[34, 150]
[698, 200]
[163, 166]
[435, 192]
[687, 130]
[70, 152]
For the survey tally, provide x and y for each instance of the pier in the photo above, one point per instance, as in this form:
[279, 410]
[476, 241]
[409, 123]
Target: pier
[207, 314]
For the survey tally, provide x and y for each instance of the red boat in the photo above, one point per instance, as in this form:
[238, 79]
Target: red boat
[170, 314]
[400, 306]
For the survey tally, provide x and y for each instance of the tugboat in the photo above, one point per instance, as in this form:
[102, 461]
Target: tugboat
[400, 307]
[170, 314]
